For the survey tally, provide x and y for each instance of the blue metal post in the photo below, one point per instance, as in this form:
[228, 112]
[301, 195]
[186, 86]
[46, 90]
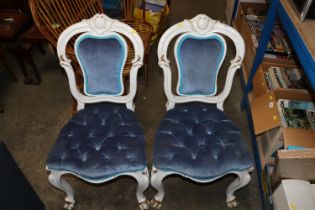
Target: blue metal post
[266, 33]
[235, 6]
[254, 143]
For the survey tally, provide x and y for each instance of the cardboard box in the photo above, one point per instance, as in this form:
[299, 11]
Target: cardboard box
[293, 195]
[259, 83]
[244, 29]
[266, 120]
[295, 164]
[265, 112]
[305, 138]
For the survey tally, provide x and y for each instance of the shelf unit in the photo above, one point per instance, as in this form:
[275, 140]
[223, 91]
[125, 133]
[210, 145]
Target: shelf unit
[301, 36]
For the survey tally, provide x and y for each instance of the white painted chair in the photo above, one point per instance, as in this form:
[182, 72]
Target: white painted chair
[195, 139]
[102, 140]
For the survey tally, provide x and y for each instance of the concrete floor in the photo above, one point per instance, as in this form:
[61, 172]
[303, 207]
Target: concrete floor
[35, 114]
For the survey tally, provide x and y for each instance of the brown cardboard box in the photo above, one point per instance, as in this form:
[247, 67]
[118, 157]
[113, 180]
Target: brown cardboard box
[243, 28]
[266, 117]
[295, 164]
[298, 138]
[259, 84]
[298, 164]
[265, 112]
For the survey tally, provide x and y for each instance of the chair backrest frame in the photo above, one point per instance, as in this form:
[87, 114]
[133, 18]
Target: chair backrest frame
[102, 26]
[200, 26]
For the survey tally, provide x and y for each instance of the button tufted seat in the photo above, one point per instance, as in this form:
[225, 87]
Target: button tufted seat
[100, 141]
[197, 140]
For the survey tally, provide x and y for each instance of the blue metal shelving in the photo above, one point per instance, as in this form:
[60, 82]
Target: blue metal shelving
[306, 59]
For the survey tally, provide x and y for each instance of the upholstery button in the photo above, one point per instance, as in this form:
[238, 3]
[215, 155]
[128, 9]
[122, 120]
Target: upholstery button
[131, 157]
[63, 156]
[131, 135]
[84, 157]
[167, 132]
[209, 132]
[91, 134]
[238, 154]
[121, 147]
[103, 121]
[193, 156]
[110, 134]
[97, 147]
[107, 157]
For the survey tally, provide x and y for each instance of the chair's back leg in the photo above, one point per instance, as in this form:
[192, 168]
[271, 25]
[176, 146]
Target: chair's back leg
[241, 181]
[156, 182]
[143, 184]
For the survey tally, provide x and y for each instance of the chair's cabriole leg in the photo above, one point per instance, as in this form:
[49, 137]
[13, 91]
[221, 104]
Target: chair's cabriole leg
[143, 184]
[56, 180]
[241, 181]
[156, 182]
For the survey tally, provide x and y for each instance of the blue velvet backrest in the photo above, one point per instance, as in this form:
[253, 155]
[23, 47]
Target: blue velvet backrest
[102, 60]
[199, 60]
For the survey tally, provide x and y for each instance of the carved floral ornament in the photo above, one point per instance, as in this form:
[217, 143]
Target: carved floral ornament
[202, 24]
[100, 23]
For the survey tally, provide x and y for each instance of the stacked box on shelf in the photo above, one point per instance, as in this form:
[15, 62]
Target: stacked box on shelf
[274, 142]
[290, 75]
[242, 26]
[249, 22]
[277, 139]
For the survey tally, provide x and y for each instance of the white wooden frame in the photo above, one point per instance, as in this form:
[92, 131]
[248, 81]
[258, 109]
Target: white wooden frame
[199, 26]
[100, 25]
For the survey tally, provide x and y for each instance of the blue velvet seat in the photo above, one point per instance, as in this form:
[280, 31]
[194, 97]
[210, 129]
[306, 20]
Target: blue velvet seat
[197, 140]
[98, 142]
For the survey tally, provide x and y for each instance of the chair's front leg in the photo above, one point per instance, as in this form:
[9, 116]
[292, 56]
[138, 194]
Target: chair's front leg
[242, 180]
[156, 182]
[143, 184]
[56, 180]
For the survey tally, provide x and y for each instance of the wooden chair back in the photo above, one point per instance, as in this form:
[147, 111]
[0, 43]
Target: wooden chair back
[143, 28]
[54, 16]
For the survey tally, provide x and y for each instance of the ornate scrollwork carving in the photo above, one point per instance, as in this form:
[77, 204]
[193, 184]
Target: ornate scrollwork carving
[236, 62]
[164, 61]
[64, 61]
[137, 62]
[100, 23]
[202, 24]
